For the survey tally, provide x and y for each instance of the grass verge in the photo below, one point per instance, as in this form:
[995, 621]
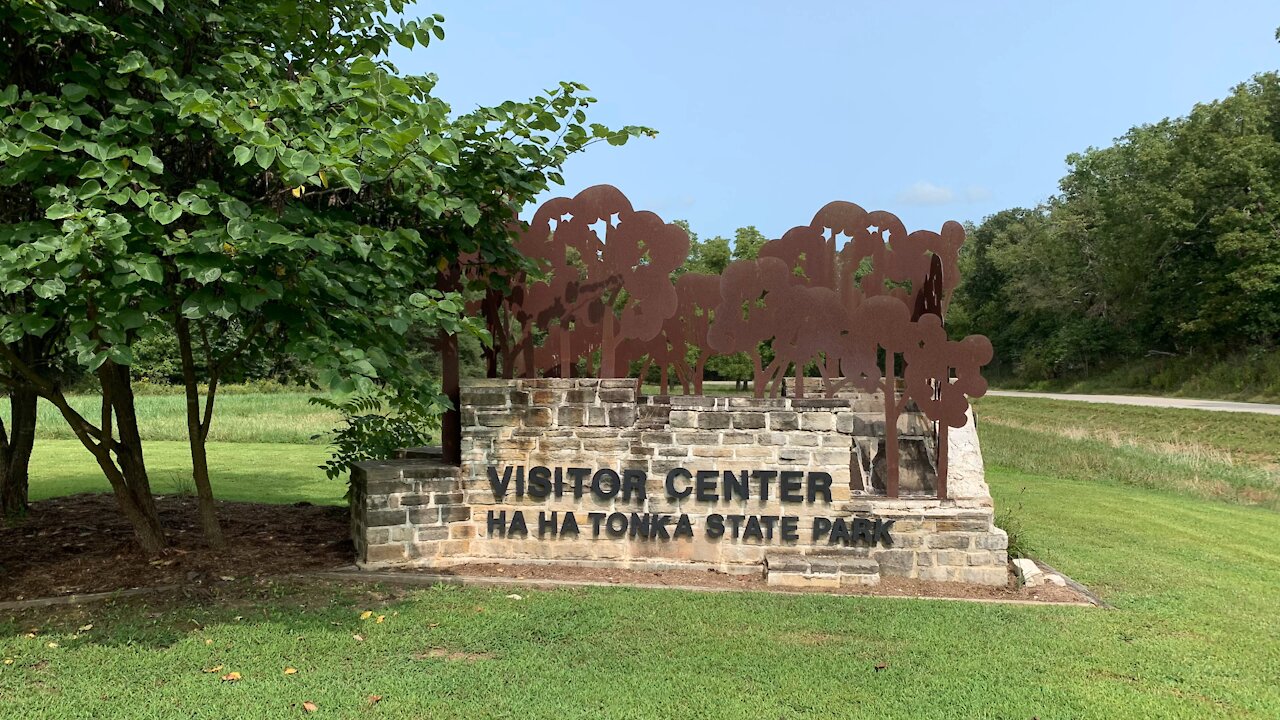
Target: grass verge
[277, 417]
[1251, 377]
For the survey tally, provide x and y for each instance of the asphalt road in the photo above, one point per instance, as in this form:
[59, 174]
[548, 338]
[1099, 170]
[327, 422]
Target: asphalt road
[1146, 401]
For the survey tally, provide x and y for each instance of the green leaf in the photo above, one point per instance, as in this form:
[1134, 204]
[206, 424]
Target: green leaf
[134, 60]
[163, 212]
[120, 354]
[58, 122]
[233, 209]
[58, 211]
[131, 318]
[242, 154]
[471, 215]
[74, 93]
[150, 270]
[351, 176]
[264, 156]
[306, 163]
[51, 288]
[207, 275]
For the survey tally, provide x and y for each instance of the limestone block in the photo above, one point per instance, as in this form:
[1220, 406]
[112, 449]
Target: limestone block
[951, 541]
[993, 539]
[1028, 572]
[898, 563]
[684, 419]
[783, 420]
[824, 421]
[985, 575]
[966, 477]
[621, 416]
[714, 420]
[570, 415]
[394, 552]
[803, 439]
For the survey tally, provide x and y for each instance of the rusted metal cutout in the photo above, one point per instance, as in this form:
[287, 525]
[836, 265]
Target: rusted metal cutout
[852, 294]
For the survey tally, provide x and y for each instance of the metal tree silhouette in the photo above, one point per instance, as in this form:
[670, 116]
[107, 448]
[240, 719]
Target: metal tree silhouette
[836, 292]
[882, 321]
[928, 380]
[682, 335]
[756, 299]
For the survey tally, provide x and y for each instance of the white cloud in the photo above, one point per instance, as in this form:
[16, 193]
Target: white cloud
[926, 193]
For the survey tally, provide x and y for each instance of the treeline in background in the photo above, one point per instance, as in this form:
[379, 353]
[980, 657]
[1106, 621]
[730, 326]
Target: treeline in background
[1156, 268]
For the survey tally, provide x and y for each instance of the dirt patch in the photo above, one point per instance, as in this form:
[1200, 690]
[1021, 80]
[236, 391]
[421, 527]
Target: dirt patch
[889, 586]
[452, 655]
[82, 544]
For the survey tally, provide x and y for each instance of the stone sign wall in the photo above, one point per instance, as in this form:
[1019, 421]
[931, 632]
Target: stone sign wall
[583, 471]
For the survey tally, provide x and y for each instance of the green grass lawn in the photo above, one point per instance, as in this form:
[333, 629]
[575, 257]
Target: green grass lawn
[1194, 633]
[250, 472]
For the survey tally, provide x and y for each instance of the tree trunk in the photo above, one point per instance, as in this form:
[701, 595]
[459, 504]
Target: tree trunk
[15, 452]
[197, 431]
[128, 478]
[129, 481]
[944, 452]
[891, 458]
[451, 421]
[608, 347]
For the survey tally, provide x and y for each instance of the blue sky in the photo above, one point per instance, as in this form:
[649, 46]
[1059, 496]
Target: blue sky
[932, 110]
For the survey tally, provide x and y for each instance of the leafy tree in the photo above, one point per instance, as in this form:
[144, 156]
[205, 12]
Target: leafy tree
[219, 170]
[747, 242]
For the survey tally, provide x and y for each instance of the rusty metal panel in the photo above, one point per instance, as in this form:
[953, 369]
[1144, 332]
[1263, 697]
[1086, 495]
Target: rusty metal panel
[852, 293]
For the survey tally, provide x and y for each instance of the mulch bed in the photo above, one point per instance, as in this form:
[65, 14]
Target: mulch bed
[889, 586]
[82, 544]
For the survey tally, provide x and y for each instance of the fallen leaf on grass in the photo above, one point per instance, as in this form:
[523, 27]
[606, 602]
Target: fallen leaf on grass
[366, 614]
[8, 661]
[514, 596]
[231, 677]
[51, 645]
[290, 671]
[86, 628]
[208, 641]
[881, 666]
[433, 625]
[214, 669]
[310, 706]
[358, 638]
[375, 699]
[380, 619]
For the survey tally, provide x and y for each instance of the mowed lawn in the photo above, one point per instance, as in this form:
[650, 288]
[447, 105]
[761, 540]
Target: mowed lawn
[1192, 575]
